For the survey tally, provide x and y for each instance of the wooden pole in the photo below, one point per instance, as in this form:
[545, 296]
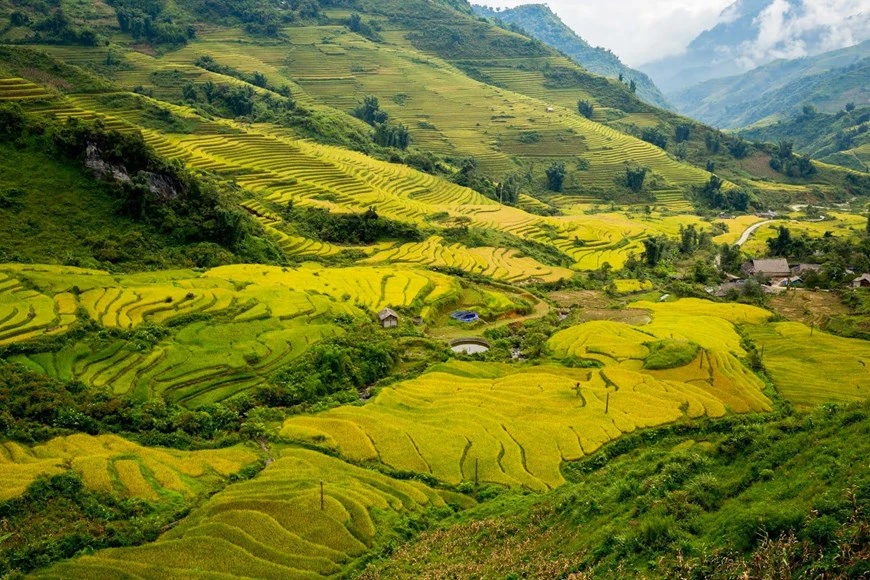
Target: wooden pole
[607, 404]
[812, 328]
[322, 505]
[475, 471]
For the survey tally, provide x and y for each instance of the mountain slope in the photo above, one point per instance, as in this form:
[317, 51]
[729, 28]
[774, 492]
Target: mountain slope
[839, 139]
[538, 21]
[751, 33]
[827, 81]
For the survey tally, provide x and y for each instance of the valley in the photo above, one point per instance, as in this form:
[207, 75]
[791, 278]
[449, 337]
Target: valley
[240, 239]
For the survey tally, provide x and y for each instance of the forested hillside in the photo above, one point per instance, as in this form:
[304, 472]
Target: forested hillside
[780, 89]
[538, 21]
[842, 138]
[329, 289]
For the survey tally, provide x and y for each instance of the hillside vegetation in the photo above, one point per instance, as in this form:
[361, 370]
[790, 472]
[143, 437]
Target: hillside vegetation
[842, 138]
[292, 289]
[779, 90]
[538, 21]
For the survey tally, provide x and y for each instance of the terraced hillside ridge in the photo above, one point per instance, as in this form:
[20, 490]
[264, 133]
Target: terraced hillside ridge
[239, 323]
[111, 464]
[447, 111]
[274, 526]
[491, 423]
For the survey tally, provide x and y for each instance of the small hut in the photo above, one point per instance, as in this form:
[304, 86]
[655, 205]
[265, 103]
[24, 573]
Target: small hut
[388, 318]
[862, 282]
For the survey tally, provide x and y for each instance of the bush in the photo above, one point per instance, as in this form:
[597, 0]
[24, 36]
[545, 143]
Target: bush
[670, 354]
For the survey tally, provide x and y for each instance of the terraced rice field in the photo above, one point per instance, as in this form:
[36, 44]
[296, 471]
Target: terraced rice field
[273, 526]
[26, 314]
[498, 263]
[18, 89]
[811, 367]
[245, 321]
[494, 423]
[112, 464]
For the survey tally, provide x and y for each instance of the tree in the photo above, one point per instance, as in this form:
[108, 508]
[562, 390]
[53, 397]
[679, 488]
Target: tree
[690, 239]
[556, 177]
[655, 250]
[730, 258]
[370, 111]
[683, 133]
[586, 108]
[655, 136]
[632, 86]
[621, 77]
[781, 245]
[711, 166]
[509, 190]
[738, 148]
[635, 177]
[867, 228]
[713, 142]
[850, 107]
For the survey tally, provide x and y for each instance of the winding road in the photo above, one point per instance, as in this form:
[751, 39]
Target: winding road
[751, 230]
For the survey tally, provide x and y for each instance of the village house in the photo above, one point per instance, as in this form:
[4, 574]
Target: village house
[862, 282]
[804, 269]
[388, 318]
[769, 268]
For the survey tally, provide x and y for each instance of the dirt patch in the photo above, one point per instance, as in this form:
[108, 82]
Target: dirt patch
[759, 164]
[808, 307]
[634, 316]
[584, 298]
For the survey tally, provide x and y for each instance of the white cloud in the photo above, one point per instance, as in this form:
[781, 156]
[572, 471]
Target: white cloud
[788, 31]
[638, 31]
[641, 31]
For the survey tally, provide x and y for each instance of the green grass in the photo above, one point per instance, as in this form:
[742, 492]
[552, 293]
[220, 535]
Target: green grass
[670, 354]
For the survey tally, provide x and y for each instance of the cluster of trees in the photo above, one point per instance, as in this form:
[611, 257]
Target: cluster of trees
[36, 408]
[838, 256]
[368, 29]
[256, 78]
[683, 133]
[713, 196]
[148, 188]
[149, 21]
[506, 191]
[264, 17]
[397, 137]
[339, 367]
[655, 136]
[785, 161]
[56, 28]
[350, 228]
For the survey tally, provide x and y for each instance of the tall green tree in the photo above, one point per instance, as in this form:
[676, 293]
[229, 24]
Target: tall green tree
[556, 177]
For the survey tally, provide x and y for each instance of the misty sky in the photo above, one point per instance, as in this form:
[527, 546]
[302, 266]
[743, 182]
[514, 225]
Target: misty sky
[638, 31]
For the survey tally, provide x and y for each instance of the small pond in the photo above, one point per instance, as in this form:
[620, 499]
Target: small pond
[469, 345]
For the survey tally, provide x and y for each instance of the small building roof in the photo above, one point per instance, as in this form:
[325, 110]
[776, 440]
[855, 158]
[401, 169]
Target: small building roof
[770, 266]
[387, 313]
[865, 277]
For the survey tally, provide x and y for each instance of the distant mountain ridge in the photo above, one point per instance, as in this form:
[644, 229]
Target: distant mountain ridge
[780, 89]
[752, 33]
[538, 21]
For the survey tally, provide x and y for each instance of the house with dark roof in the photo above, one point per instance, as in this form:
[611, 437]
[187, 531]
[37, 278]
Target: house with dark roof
[770, 268]
[388, 318]
[861, 282]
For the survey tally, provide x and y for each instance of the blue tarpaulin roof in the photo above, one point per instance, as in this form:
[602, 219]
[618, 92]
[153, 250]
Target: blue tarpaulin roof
[465, 316]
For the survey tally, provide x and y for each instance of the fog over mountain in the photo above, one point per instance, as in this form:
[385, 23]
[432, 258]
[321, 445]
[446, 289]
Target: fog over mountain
[751, 33]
